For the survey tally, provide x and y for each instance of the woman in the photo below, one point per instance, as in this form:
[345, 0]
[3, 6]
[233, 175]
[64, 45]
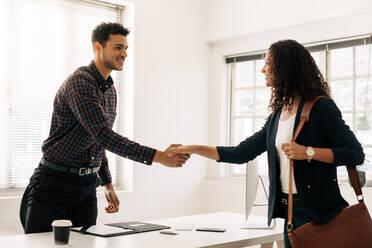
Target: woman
[324, 143]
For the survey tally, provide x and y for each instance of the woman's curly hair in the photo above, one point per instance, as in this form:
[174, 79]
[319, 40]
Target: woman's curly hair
[295, 74]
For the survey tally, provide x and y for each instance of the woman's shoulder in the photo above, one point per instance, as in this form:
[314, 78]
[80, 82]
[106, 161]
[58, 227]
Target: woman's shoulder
[325, 103]
[325, 106]
[271, 116]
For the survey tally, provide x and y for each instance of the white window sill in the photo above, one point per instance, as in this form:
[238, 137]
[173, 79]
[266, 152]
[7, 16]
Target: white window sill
[11, 193]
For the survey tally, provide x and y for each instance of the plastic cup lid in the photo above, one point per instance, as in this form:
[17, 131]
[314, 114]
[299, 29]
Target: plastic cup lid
[62, 223]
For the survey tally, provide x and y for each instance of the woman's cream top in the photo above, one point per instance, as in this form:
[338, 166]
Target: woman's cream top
[284, 135]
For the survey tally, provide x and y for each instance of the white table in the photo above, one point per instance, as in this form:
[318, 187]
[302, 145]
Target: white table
[233, 237]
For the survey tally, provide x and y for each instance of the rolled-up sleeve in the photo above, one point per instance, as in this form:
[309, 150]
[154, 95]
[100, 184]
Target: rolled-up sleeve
[104, 172]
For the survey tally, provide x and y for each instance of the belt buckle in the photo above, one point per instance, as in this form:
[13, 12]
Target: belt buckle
[84, 171]
[284, 201]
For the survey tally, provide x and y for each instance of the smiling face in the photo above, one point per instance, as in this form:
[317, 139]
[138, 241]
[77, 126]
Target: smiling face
[114, 52]
[267, 70]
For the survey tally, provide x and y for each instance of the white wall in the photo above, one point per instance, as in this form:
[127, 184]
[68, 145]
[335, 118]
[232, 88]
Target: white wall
[235, 18]
[170, 106]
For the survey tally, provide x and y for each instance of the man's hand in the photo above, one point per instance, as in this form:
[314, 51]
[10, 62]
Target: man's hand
[294, 151]
[176, 161]
[112, 199]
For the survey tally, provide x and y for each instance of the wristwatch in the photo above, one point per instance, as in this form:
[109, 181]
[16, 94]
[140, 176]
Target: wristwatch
[309, 153]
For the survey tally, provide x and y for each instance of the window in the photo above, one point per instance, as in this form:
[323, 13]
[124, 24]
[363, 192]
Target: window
[249, 105]
[349, 76]
[347, 67]
[44, 41]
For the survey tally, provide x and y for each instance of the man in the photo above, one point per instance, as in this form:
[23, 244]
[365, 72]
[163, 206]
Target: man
[64, 184]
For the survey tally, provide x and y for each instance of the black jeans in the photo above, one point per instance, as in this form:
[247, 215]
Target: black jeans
[60, 195]
[299, 215]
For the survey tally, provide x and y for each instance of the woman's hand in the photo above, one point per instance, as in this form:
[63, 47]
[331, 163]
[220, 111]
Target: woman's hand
[294, 151]
[205, 151]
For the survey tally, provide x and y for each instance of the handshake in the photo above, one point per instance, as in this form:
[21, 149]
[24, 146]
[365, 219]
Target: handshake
[174, 156]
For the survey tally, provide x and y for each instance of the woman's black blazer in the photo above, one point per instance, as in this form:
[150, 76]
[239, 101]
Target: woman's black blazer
[316, 182]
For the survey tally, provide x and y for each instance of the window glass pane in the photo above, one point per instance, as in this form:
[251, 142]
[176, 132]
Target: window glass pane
[368, 158]
[258, 124]
[316, 57]
[320, 59]
[348, 118]
[242, 129]
[364, 94]
[341, 62]
[244, 74]
[260, 77]
[363, 56]
[262, 101]
[342, 92]
[243, 102]
[368, 163]
[342, 175]
[363, 127]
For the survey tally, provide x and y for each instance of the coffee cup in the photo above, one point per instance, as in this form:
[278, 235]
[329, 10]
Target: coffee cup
[61, 229]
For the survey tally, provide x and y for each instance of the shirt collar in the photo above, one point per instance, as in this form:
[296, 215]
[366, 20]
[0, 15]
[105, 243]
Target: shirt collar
[103, 84]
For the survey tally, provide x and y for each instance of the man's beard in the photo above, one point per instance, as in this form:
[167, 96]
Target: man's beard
[109, 64]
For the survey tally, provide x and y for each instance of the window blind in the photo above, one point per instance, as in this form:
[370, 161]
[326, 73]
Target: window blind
[45, 41]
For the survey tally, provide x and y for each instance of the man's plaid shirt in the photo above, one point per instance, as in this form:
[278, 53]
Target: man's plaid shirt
[81, 128]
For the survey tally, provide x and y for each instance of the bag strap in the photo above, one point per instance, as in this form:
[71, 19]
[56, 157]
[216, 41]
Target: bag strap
[355, 182]
[353, 175]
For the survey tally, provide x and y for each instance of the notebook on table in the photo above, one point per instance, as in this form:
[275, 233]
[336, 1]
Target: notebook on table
[118, 229]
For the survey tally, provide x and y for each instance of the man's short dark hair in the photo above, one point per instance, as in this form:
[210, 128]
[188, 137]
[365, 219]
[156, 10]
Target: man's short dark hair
[102, 32]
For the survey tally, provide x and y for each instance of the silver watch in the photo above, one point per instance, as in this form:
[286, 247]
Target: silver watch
[309, 153]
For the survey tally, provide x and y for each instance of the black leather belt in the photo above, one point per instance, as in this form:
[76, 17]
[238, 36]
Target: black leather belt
[83, 171]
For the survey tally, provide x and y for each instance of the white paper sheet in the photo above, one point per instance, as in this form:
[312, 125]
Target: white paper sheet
[104, 229]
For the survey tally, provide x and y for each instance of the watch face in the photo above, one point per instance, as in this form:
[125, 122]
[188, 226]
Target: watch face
[310, 151]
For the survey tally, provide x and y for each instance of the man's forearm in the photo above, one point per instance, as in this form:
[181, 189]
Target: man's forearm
[159, 157]
[109, 186]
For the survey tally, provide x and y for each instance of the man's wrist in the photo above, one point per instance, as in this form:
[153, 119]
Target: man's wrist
[159, 156]
[109, 186]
